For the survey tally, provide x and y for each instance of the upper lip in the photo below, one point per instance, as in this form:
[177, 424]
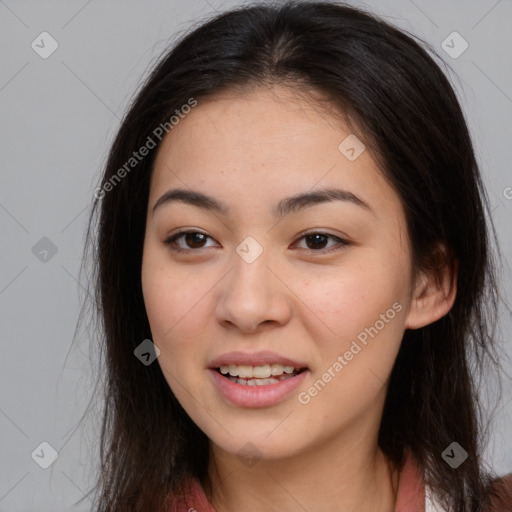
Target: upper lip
[254, 359]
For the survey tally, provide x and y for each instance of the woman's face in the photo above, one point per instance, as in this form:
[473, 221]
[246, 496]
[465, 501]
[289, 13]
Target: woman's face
[270, 282]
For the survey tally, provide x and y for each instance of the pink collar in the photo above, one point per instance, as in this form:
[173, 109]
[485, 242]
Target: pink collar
[411, 489]
[410, 495]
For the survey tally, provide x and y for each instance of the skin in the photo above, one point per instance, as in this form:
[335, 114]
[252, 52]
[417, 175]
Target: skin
[297, 299]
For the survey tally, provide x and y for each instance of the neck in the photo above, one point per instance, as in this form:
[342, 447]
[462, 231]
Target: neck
[338, 475]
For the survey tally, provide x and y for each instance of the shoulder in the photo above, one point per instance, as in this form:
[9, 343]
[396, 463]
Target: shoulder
[500, 494]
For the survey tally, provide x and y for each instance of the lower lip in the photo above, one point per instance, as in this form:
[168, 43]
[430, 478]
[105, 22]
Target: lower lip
[256, 396]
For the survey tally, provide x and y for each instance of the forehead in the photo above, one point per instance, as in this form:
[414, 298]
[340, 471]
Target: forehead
[260, 126]
[268, 142]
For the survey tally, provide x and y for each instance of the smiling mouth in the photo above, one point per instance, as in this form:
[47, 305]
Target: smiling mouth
[262, 375]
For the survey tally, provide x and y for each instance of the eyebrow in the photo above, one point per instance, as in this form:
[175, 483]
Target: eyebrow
[285, 206]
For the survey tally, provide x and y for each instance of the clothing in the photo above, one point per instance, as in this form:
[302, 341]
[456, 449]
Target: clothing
[412, 496]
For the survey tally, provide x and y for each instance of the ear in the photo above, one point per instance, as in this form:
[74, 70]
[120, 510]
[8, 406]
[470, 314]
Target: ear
[434, 290]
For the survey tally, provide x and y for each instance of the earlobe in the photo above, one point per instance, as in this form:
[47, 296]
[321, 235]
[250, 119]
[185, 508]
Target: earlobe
[434, 294]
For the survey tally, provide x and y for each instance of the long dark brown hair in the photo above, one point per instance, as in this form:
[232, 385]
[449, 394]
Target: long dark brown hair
[402, 105]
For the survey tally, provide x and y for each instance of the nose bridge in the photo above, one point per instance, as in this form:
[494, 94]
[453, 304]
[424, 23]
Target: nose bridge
[250, 281]
[251, 294]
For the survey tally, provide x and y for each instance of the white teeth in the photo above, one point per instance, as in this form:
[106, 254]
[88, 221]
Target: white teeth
[264, 371]
[276, 369]
[245, 371]
[258, 382]
[261, 372]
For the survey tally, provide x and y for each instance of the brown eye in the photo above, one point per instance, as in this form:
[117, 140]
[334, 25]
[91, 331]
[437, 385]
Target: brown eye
[195, 240]
[191, 240]
[316, 242]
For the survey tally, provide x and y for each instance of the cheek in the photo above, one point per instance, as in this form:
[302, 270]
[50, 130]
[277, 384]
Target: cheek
[365, 316]
[175, 312]
[353, 298]
[174, 300]
[176, 305]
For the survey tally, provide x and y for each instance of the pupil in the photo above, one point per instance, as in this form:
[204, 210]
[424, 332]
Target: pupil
[192, 239]
[316, 239]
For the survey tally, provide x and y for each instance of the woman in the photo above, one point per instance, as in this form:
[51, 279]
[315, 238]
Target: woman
[294, 276]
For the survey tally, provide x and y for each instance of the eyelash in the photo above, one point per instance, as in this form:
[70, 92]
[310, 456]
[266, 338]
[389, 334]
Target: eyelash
[171, 241]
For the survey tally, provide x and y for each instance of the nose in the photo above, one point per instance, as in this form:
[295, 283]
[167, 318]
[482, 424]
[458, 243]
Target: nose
[253, 297]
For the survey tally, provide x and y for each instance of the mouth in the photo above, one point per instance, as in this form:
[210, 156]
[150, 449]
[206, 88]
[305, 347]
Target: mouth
[256, 379]
[261, 375]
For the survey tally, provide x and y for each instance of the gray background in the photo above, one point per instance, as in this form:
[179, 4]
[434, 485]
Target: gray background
[58, 116]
